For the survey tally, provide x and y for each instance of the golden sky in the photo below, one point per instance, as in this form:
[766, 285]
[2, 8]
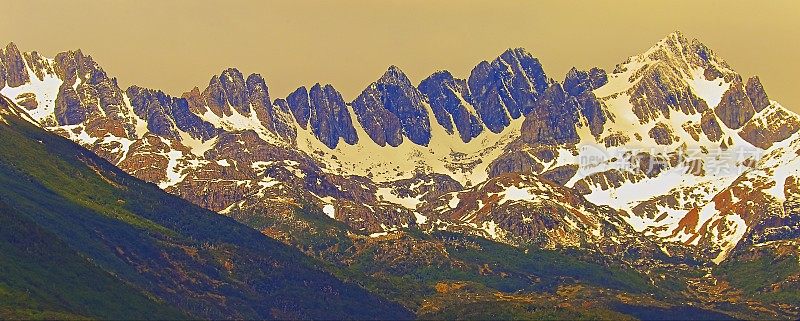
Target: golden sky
[175, 45]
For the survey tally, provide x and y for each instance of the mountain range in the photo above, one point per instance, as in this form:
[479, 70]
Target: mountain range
[669, 183]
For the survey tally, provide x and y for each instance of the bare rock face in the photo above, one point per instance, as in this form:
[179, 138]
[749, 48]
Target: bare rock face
[562, 174]
[276, 118]
[757, 94]
[233, 84]
[556, 116]
[553, 120]
[508, 86]
[214, 97]
[661, 90]
[89, 97]
[323, 109]
[226, 91]
[230, 93]
[381, 125]
[791, 192]
[449, 99]
[2, 75]
[147, 159]
[662, 134]
[615, 139]
[392, 108]
[195, 100]
[693, 129]
[773, 125]
[156, 109]
[68, 107]
[578, 81]
[580, 84]
[735, 108]
[299, 105]
[710, 126]
[515, 161]
[27, 100]
[38, 64]
[520, 157]
[165, 114]
[13, 67]
[330, 117]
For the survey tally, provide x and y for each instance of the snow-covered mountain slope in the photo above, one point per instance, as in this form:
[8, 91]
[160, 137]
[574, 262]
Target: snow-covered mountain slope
[681, 127]
[646, 149]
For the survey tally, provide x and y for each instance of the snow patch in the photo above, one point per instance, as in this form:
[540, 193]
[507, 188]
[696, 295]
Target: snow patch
[329, 210]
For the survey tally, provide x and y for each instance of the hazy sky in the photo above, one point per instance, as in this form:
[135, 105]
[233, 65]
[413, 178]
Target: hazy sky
[176, 45]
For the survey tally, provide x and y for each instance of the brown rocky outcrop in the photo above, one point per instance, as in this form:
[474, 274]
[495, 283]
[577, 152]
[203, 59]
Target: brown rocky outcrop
[710, 126]
[662, 134]
[735, 108]
[756, 93]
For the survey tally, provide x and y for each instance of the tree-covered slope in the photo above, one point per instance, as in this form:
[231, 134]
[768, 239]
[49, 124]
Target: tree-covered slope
[80, 238]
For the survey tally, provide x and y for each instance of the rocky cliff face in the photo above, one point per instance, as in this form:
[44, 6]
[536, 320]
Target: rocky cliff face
[236, 103]
[557, 115]
[507, 87]
[756, 93]
[449, 99]
[13, 72]
[166, 115]
[392, 108]
[325, 112]
[736, 108]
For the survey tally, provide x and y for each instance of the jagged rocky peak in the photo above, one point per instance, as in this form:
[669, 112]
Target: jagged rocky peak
[685, 75]
[165, 115]
[758, 96]
[225, 91]
[553, 119]
[155, 108]
[507, 87]
[234, 99]
[663, 89]
[558, 112]
[195, 99]
[581, 84]
[391, 108]
[675, 75]
[274, 117]
[71, 89]
[578, 81]
[674, 68]
[85, 90]
[449, 99]
[687, 55]
[12, 69]
[323, 110]
[41, 66]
